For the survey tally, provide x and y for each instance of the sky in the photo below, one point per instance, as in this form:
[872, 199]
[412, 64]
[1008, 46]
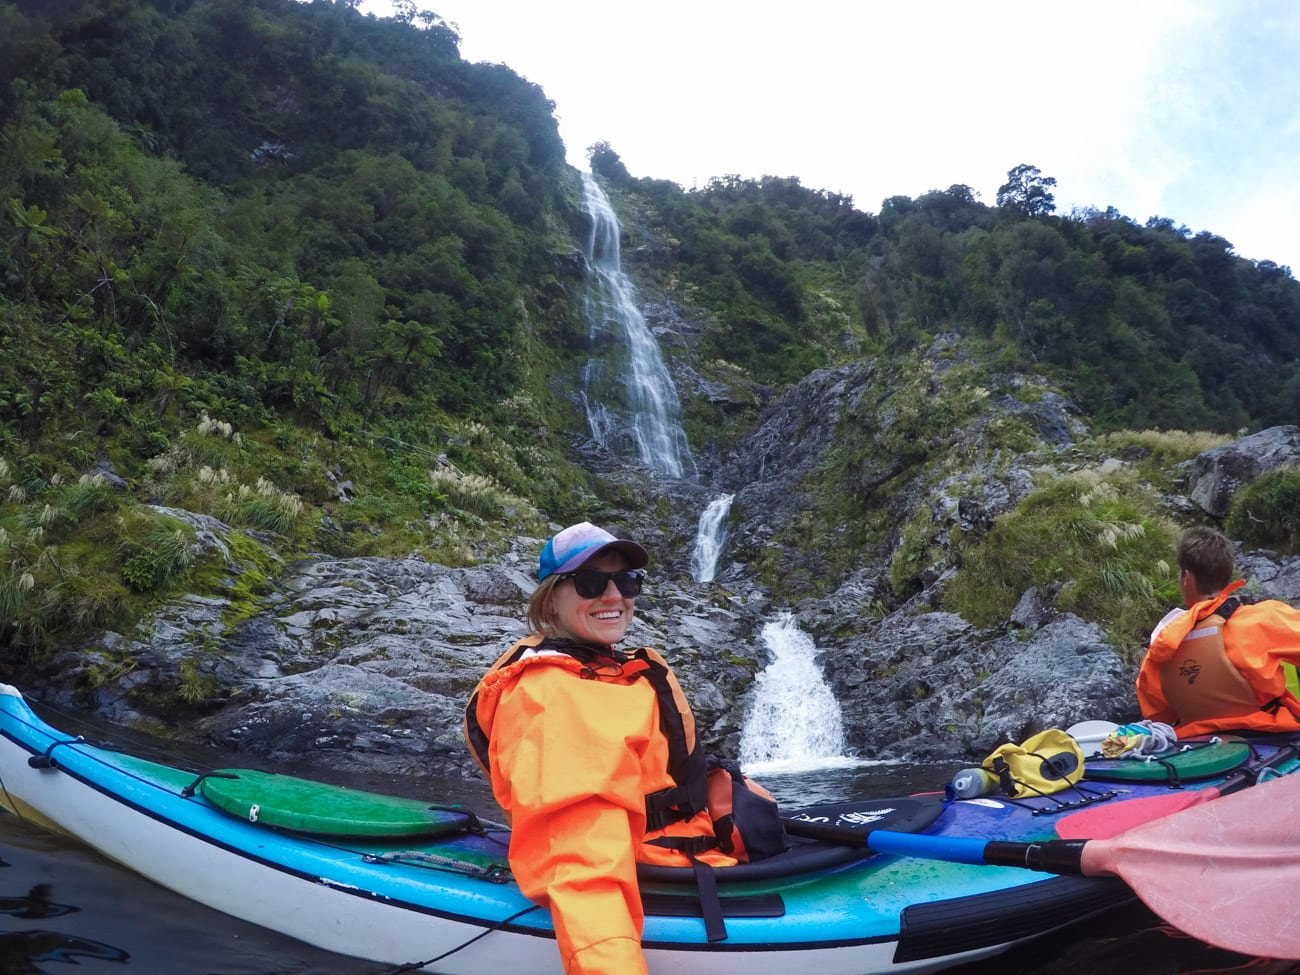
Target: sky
[1187, 110]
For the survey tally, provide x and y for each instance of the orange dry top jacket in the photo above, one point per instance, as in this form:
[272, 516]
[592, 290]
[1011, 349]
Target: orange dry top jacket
[686, 762]
[1223, 667]
[576, 751]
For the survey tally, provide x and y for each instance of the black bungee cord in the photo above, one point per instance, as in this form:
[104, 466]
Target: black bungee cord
[415, 966]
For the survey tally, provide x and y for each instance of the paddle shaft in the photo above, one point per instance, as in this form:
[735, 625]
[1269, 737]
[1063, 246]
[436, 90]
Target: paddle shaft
[1050, 856]
[964, 850]
[1107, 819]
[1224, 871]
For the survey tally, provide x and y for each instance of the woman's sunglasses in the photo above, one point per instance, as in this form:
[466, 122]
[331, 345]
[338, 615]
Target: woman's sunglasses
[591, 583]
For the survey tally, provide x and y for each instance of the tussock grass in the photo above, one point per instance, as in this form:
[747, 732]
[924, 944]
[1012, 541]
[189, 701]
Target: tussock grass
[474, 493]
[263, 507]
[1266, 512]
[1156, 454]
[1098, 543]
[157, 552]
[1167, 445]
[85, 601]
[15, 587]
[91, 495]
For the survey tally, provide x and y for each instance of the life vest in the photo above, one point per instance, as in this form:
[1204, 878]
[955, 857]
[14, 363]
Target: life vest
[1205, 686]
[744, 817]
[686, 761]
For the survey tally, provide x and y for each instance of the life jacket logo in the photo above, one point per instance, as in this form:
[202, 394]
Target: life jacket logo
[1190, 670]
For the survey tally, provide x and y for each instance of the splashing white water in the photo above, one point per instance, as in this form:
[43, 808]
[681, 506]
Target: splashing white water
[795, 721]
[631, 403]
[710, 536]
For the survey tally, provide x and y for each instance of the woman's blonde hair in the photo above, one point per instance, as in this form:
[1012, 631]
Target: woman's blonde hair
[541, 605]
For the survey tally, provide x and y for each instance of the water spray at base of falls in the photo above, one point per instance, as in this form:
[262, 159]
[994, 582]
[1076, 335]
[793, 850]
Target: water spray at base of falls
[795, 722]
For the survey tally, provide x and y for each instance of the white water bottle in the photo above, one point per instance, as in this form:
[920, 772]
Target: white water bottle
[972, 782]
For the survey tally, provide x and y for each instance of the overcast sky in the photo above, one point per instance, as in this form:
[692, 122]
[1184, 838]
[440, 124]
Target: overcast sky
[1184, 109]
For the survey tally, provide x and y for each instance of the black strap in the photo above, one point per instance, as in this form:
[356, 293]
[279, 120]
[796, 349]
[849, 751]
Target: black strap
[690, 792]
[1173, 778]
[47, 760]
[715, 928]
[1006, 781]
[705, 882]
[690, 845]
[733, 905]
[667, 806]
[1225, 610]
[193, 787]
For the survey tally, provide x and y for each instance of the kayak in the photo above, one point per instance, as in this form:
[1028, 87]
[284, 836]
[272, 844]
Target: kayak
[427, 884]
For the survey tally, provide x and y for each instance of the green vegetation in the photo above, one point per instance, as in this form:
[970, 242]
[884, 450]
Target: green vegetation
[920, 418]
[72, 561]
[312, 274]
[1156, 453]
[252, 252]
[1266, 513]
[1096, 542]
[1144, 326]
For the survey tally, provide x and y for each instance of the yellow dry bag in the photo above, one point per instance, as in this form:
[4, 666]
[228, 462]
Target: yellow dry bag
[1045, 763]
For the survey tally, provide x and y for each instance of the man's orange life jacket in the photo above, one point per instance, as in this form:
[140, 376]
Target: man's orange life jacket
[1201, 674]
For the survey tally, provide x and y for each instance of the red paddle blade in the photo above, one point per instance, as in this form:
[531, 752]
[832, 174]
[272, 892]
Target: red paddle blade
[1226, 871]
[1112, 818]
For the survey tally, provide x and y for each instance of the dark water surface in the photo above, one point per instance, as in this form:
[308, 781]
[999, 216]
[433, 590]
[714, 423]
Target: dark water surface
[65, 909]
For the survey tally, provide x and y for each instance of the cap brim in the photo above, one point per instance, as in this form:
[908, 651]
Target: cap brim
[636, 556]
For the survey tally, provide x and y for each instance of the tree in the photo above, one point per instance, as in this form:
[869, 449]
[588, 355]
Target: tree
[1026, 192]
[606, 162]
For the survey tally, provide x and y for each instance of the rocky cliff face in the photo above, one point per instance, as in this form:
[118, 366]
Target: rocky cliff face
[850, 490]
[367, 663]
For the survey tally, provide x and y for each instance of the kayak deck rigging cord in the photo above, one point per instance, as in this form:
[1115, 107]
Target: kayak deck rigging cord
[494, 873]
[415, 966]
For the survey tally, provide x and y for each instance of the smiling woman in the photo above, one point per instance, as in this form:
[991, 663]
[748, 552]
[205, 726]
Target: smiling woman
[596, 768]
[574, 600]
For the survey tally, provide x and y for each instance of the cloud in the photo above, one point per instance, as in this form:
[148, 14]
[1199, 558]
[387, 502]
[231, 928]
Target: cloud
[1174, 108]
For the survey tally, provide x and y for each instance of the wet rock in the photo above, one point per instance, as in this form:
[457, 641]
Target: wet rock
[1218, 474]
[366, 663]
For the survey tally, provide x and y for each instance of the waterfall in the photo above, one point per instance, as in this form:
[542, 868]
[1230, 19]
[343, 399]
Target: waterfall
[631, 403]
[795, 720]
[710, 537]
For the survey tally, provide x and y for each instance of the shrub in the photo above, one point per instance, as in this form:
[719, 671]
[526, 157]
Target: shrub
[1098, 542]
[195, 687]
[1266, 512]
[82, 603]
[164, 557]
[472, 493]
